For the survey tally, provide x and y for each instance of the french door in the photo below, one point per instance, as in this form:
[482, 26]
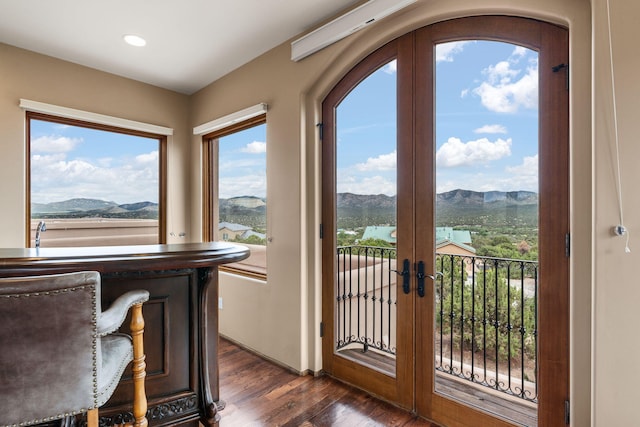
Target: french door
[388, 295]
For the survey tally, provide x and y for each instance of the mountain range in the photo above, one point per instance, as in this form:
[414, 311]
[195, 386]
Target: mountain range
[82, 207]
[456, 207]
[452, 207]
[454, 197]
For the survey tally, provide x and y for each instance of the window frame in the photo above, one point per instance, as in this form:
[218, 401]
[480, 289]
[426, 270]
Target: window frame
[162, 163]
[210, 206]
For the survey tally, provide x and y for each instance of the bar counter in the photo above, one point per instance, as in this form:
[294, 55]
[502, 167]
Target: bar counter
[181, 319]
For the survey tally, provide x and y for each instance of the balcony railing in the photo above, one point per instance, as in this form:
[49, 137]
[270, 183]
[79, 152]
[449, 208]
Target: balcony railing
[366, 298]
[485, 315]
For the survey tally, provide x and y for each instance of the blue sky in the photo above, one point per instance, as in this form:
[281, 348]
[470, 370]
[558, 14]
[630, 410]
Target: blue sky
[243, 163]
[486, 137]
[486, 123]
[73, 162]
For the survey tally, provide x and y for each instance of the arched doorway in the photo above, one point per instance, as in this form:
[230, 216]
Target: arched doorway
[409, 322]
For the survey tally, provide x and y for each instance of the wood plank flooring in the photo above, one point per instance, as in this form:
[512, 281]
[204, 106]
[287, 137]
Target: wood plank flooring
[260, 393]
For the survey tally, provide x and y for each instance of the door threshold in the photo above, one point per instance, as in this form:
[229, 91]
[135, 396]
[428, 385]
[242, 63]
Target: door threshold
[510, 408]
[376, 360]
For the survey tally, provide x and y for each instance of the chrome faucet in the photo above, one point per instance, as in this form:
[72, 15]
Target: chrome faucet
[42, 227]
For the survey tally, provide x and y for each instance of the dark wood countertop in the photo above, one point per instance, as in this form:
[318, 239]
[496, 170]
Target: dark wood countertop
[17, 261]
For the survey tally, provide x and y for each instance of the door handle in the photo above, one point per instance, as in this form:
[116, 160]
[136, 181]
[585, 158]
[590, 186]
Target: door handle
[406, 276]
[420, 276]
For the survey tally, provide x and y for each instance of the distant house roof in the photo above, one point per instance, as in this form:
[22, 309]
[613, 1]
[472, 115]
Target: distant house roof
[233, 227]
[443, 243]
[456, 236]
[387, 234]
[444, 235]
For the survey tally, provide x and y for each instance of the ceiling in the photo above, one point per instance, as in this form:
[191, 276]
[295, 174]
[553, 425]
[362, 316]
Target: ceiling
[190, 43]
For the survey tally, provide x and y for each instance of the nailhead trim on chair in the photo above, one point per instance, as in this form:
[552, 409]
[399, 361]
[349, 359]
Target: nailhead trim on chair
[42, 420]
[121, 369]
[55, 292]
[95, 327]
[58, 291]
[94, 324]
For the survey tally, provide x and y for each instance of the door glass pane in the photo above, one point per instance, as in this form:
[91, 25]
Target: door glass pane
[366, 222]
[487, 227]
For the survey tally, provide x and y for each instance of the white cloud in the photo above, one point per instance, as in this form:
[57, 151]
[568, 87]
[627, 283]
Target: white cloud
[236, 166]
[528, 167]
[489, 182]
[503, 91]
[255, 147]
[455, 153]
[54, 144]
[383, 162]
[491, 129]
[368, 185]
[450, 185]
[55, 178]
[244, 185]
[391, 67]
[446, 51]
[519, 51]
[151, 157]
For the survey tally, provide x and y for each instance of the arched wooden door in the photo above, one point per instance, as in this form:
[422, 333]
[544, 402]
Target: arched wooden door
[395, 293]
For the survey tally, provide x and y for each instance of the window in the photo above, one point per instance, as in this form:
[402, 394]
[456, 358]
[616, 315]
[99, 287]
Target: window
[93, 185]
[235, 191]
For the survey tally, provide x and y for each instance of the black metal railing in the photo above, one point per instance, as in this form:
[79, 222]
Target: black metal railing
[486, 322]
[366, 298]
[485, 314]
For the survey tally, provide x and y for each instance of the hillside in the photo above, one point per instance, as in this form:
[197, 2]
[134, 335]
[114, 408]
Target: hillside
[247, 210]
[453, 208]
[87, 208]
[491, 208]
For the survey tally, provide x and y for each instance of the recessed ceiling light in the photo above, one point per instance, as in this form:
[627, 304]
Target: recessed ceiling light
[134, 40]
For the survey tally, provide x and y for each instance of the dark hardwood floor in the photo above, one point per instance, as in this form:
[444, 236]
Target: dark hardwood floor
[260, 393]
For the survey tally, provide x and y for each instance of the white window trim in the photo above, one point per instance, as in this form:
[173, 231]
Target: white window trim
[87, 116]
[230, 119]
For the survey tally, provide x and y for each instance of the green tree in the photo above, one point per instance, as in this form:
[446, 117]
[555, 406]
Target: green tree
[251, 240]
[486, 314]
[347, 239]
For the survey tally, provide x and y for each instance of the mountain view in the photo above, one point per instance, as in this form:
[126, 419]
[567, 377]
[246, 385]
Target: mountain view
[87, 208]
[454, 208]
[493, 218]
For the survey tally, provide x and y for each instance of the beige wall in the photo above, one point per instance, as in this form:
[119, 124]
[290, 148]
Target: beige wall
[25, 75]
[616, 291]
[280, 317]
[294, 92]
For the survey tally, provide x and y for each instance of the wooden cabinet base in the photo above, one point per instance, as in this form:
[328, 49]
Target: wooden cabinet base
[181, 321]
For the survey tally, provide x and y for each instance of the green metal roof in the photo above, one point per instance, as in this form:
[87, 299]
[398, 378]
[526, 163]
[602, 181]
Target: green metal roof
[455, 236]
[461, 238]
[385, 233]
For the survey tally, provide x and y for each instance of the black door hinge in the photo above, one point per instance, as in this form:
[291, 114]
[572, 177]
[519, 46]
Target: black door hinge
[321, 231]
[320, 130]
[565, 67]
[321, 329]
[567, 408]
[567, 245]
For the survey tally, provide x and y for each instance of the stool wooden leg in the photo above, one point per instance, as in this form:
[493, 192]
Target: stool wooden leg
[92, 418]
[138, 368]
